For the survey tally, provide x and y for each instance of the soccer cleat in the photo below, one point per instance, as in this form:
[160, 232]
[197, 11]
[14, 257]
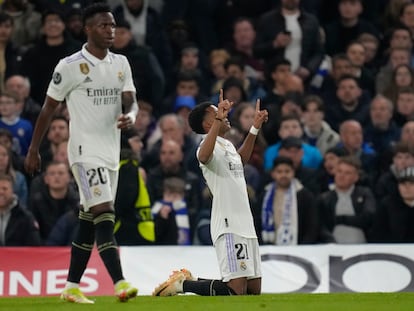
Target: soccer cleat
[74, 295]
[171, 287]
[125, 291]
[188, 275]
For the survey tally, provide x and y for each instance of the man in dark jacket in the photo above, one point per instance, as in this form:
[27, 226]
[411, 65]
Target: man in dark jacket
[290, 33]
[347, 212]
[287, 206]
[394, 220]
[18, 226]
[55, 198]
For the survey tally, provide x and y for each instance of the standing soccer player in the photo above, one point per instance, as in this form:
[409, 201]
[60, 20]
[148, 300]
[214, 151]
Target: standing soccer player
[95, 84]
[232, 228]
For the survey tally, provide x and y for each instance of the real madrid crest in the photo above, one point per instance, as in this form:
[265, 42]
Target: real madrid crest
[121, 76]
[84, 68]
[243, 266]
[97, 192]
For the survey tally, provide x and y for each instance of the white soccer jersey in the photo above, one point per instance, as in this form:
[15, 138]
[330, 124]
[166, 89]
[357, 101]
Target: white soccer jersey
[224, 175]
[92, 89]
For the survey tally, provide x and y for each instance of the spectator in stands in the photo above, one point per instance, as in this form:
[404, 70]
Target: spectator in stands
[183, 106]
[28, 107]
[242, 118]
[58, 132]
[356, 53]
[74, 24]
[407, 133]
[290, 127]
[19, 180]
[406, 16]
[171, 165]
[10, 55]
[394, 219]
[400, 38]
[146, 126]
[191, 58]
[188, 84]
[326, 172]
[291, 33]
[353, 143]
[26, 21]
[40, 60]
[19, 228]
[292, 105]
[21, 129]
[404, 106]
[402, 77]
[233, 90]
[288, 212]
[172, 127]
[371, 44]
[397, 56]
[6, 139]
[236, 68]
[350, 103]
[282, 83]
[317, 132]
[347, 28]
[217, 59]
[341, 66]
[244, 35]
[55, 198]
[382, 131]
[147, 29]
[391, 14]
[146, 71]
[403, 157]
[347, 212]
[171, 217]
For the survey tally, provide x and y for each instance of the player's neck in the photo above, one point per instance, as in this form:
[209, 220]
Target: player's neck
[95, 51]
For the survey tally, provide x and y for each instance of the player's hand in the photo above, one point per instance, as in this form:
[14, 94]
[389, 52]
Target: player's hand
[32, 162]
[124, 122]
[223, 107]
[260, 116]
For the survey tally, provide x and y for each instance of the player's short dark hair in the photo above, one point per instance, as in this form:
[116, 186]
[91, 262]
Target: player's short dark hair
[93, 9]
[196, 117]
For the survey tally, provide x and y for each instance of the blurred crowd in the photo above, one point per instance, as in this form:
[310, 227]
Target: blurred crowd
[334, 163]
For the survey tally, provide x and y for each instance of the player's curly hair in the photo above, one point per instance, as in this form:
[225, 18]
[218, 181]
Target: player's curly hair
[196, 117]
[95, 8]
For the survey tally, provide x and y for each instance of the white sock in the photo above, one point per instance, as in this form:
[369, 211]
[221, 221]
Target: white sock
[71, 285]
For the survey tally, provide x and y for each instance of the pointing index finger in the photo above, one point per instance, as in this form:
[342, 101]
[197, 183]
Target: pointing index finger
[258, 104]
[221, 95]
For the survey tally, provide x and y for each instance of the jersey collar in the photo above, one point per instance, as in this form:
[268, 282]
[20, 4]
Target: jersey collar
[93, 59]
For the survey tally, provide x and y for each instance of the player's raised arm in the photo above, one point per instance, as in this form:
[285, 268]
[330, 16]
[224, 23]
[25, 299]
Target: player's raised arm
[215, 120]
[246, 148]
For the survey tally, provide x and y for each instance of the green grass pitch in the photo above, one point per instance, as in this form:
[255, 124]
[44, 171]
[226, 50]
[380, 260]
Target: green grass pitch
[271, 302]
